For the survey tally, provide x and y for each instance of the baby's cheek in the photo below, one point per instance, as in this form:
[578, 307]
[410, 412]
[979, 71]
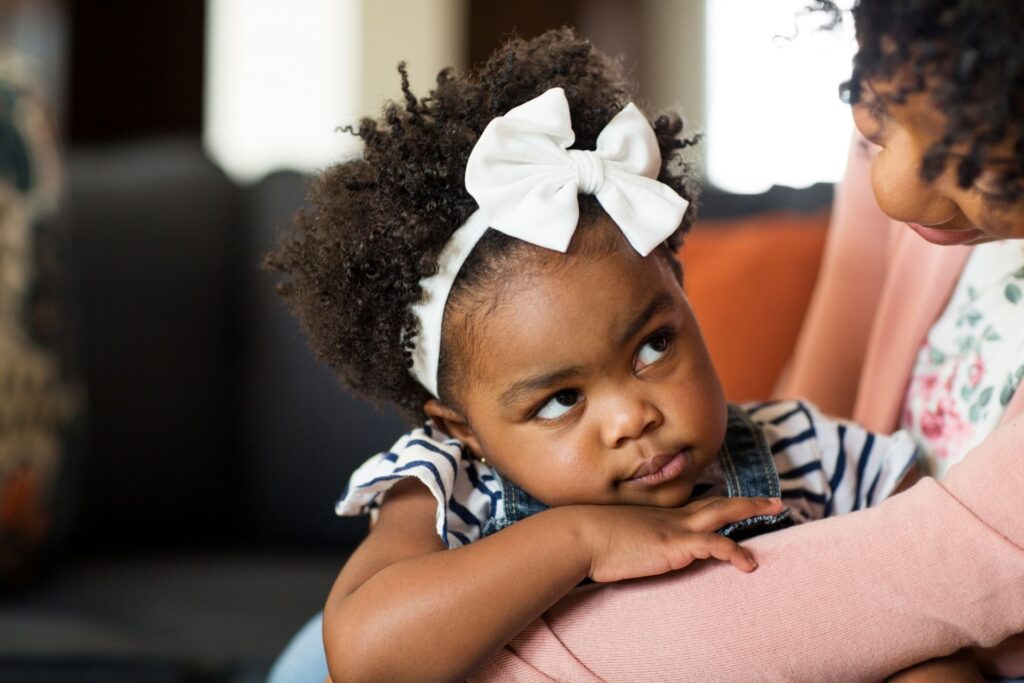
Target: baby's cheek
[548, 473]
[575, 475]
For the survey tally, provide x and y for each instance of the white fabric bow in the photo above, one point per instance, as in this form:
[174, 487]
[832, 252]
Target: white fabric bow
[526, 179]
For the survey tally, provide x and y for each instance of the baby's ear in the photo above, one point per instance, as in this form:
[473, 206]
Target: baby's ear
[453, 423]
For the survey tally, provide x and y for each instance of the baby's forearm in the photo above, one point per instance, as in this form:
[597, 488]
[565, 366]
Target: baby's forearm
[439, 616]
[956, 668]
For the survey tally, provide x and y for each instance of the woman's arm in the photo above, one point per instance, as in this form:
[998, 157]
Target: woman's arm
[830, 350]
[404, 608]
[856, 597]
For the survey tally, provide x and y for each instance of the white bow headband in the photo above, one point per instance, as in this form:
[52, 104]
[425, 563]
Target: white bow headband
[526, 180]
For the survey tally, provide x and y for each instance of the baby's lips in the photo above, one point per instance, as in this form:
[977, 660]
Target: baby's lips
[653, 465]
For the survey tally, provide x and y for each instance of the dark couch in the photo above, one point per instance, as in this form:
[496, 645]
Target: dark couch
[195, 529]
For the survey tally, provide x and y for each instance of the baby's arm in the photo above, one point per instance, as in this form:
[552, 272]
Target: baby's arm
[956, 668]
[403, 608]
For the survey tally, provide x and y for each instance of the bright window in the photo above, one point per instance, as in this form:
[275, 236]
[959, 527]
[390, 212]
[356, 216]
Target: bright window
[774, 115]
[281, 77]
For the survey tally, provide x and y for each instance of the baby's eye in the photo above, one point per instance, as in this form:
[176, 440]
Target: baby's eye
[653, 350]
[559, 404]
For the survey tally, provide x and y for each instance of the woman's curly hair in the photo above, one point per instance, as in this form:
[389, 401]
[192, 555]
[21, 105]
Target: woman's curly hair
[970, 55]
[353, 263]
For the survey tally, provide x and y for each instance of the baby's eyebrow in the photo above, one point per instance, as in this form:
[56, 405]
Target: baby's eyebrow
[662, 302]
[524, 387]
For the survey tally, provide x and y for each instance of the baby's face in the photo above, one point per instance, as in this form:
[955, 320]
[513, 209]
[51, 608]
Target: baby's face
[594, 384]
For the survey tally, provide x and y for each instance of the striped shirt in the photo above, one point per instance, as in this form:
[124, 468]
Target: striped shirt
[826, 467]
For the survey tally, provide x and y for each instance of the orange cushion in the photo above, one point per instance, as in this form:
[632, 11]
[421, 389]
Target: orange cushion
[749, 282]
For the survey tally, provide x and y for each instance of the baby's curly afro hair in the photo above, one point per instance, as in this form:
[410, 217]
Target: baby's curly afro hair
[352, 264]
[970, 55]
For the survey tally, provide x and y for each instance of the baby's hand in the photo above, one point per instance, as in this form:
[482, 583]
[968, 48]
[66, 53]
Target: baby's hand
[630, 541]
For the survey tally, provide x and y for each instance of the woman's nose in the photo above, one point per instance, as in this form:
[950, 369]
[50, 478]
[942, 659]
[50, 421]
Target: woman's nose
[900, 190]
[628, 417]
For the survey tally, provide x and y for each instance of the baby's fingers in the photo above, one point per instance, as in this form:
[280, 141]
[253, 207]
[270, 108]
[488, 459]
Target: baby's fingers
[710, 545]
[722, 511]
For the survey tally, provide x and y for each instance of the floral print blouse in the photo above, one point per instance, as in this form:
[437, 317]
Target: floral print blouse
[972, 359]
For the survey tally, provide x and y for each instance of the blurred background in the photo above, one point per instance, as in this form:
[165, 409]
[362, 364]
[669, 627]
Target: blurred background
[169, 451]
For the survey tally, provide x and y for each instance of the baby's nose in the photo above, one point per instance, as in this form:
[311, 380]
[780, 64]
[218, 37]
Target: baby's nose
[629, 419]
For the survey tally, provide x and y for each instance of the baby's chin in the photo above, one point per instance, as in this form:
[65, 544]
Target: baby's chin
[670, 494]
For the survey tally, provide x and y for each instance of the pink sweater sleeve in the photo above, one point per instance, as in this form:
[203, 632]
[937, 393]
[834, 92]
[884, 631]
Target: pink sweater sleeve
[934, 569]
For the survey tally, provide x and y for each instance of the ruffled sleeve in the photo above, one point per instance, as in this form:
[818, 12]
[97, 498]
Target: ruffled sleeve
[466, 490]
[828, 466]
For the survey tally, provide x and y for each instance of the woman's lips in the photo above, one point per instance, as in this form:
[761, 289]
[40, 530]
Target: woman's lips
[660, 469]
[946, 237]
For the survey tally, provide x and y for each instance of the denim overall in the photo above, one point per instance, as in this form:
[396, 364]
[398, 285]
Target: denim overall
[746, 464]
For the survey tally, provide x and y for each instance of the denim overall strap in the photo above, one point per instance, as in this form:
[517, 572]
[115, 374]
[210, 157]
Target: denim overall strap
[749, 470]
[518, 505]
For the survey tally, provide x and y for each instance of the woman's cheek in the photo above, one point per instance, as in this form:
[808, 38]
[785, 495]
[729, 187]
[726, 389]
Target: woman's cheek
[1001, 224]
